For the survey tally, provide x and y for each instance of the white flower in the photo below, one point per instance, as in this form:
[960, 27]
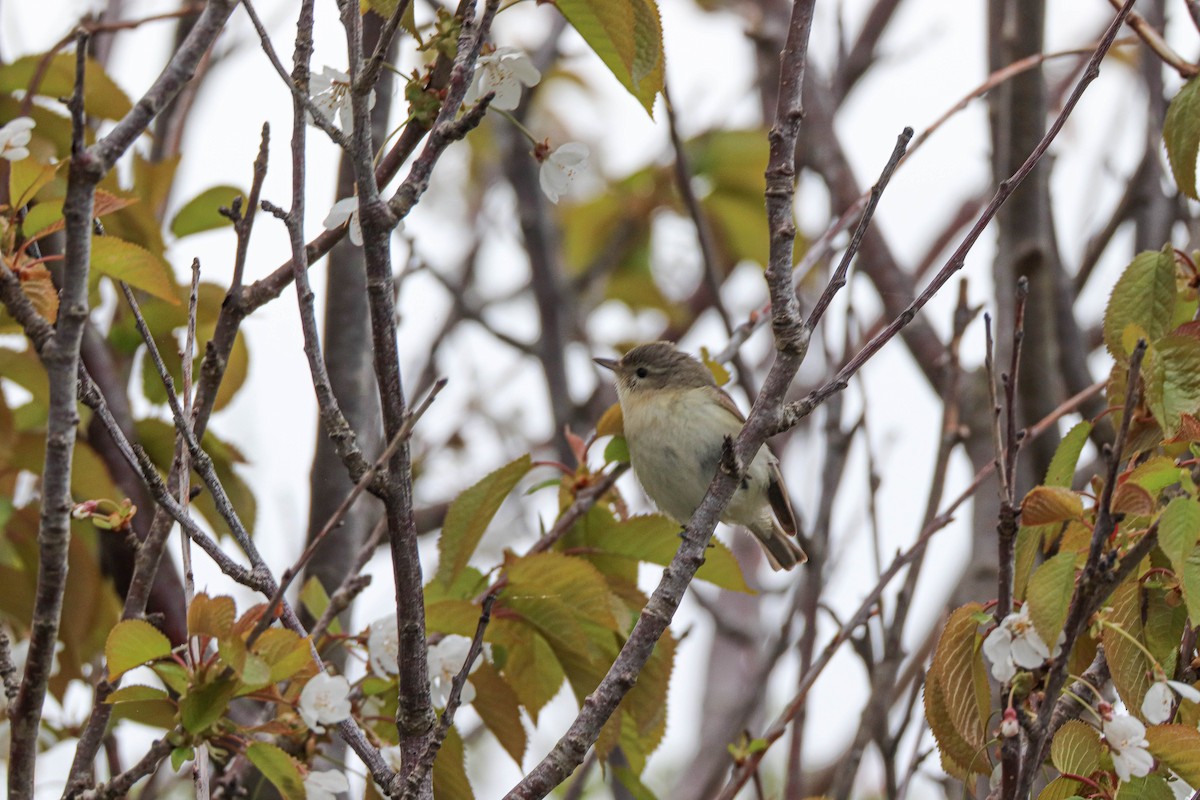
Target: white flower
[330, 92]
[343, 210]
[13, 138]
[1016, 643]
[325, 701]
[1126, 739]
[504, 72]
[383, 646]
[325, 785]
[1156, 708]
[445, 660]
[561, 167]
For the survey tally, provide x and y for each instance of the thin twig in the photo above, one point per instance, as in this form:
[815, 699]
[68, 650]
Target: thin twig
[797, 410]
[299, 93]
[340, 513]
[839, 275]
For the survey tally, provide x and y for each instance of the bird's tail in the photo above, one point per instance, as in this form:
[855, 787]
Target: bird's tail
[782, 550]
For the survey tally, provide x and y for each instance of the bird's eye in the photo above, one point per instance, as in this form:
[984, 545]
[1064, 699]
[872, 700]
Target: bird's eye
[642, 372]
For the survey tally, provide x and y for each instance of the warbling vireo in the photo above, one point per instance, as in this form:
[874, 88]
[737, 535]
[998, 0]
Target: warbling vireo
[676, 421]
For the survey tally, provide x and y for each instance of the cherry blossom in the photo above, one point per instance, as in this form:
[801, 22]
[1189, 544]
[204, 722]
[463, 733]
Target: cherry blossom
[14, 137]
[383, 646]
[1126, 739]
[445, 660]
[1016, 643]
[560, 168]
[325, 701]
[1156, 707]
[330, 92]
[325, 785]
[504, 71]
[343, 210]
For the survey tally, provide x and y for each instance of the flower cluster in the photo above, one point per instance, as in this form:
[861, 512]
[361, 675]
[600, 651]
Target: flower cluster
[14, 138]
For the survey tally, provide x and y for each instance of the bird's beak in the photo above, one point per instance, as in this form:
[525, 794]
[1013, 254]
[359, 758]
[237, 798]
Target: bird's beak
[607, 363]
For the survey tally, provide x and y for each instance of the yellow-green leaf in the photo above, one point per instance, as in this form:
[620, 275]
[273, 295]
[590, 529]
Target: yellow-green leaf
[211, 616]
[125, 261]
[1177, 746]
[26, 177]
[1062, 789]
[204, 705]
[1049, 595]
[471, 512]
[1151, 787]
[279, 768]
[1127, 661]
[1144, 297]
[1076, 748]
[498, 707]
[201, 212]
[627, 35]
[1178, 532]
[131, 643]
[1066, 455]
[101, 97]
[957, 669]
[1173, 381]
[1046, 504]
[655, 539]
[1181, 134]
[450, 770]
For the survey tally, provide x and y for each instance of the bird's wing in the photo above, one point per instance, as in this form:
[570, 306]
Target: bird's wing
[780, 502]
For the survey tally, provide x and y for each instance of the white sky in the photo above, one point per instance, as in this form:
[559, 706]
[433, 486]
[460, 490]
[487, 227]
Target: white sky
[933, 55]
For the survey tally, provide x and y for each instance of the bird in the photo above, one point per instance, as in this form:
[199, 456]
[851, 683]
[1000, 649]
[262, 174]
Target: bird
[676, 420]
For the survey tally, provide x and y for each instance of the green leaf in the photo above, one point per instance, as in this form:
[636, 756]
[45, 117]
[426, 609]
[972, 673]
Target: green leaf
[136, 693]
[1049, 594]
[616, 451]
[470, 514]
[315, 601]
[633, 785]
[1076, 748]
[101, 97]
[450, 770]
[1062, 466]
[41, 217]
[1143, 297]
[27, 177]
[1181, 134]
[1177, 746]
[279, 768]
[180, 756]
[200, 213]
[1173, 381]
[1151, 787]
[627, 35]
[1178, 532]
[204, 705]
[131, 643]
[137, 266]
